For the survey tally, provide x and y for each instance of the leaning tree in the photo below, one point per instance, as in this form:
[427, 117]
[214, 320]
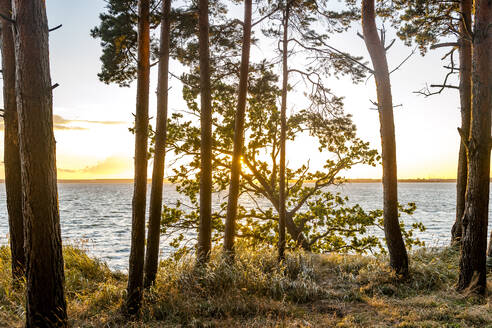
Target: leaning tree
[295, 24]
[377, 51]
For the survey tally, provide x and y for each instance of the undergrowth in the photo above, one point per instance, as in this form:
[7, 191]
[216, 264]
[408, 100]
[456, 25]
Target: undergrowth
[306, 290]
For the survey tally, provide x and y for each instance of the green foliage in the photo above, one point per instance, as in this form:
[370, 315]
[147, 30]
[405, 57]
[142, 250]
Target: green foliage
[317, 219]
[118, 34]
[424, 22]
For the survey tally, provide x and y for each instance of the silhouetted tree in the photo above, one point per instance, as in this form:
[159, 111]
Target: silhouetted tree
[320, 220]
[137, 252]
[465, 89]
[294, 24]
[230, 223]
[428, 24]
[205, 229]
[396, 246]
[475, 220]
[46, 306]
[118, 34]
[118, 39]
[154, 231]
[283, 132]
[13, 183]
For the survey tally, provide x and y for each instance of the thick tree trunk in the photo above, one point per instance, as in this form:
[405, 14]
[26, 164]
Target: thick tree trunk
[283, 136]
[472, 274]
[396, 246]
[230, 224]
[45, 301]
[136, 265]
[11, 155]
[205, 229]
[152, 254]
[465, 102]
[296, 233]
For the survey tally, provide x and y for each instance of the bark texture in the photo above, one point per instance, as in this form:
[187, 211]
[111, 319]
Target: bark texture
[283, 135]
[45, 301]
[472, 273]
[11, 155]
[205, 227]
[136, 266]
[396, 246]
[153, 236]
[230, 224]
[465, 102]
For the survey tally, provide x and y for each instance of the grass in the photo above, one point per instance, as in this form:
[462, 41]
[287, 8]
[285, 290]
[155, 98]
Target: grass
[306, 291]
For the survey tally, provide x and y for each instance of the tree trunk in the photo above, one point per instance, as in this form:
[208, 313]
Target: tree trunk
[396, 246]
[11, 155]
[465, 101]
[45, 301]
[152, 254]
[472, 273]
[283, 135]
[135, 271]
[230, 224]
[296, 233]
[205, 229]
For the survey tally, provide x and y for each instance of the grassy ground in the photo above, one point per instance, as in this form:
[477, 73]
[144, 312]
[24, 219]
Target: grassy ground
[307, 291]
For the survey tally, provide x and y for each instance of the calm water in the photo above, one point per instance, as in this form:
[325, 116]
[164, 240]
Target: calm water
[98, 216]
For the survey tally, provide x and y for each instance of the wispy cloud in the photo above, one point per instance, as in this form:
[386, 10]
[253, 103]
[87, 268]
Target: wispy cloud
[62, 123]
[59, 120]
[111, 166]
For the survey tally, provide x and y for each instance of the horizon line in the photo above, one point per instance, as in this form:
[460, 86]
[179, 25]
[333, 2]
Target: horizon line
[356, 180]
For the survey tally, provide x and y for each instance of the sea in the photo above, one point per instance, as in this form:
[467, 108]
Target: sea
[97, 216]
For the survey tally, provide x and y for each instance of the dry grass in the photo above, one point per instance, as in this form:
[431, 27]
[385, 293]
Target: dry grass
[306, 291]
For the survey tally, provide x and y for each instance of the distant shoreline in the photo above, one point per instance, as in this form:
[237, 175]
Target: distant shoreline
[124, 181]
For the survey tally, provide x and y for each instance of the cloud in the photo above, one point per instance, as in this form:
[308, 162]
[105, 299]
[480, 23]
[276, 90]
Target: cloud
[64, 127]
[61, 123]
[59, 120]
[109, 167]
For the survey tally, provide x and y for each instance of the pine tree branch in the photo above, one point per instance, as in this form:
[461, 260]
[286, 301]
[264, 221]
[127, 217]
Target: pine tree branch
[404, 61]
[7, 18]
[445, 44]
[55, 28]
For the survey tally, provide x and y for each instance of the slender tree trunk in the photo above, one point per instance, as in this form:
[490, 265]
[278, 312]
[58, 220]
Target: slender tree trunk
[205, 229]
[465, 101]
[152, 254]
[396, 246]
[474, 242]
[230, 224]
[283, 135]
[135, 271]
[11, 155]
[45, 301]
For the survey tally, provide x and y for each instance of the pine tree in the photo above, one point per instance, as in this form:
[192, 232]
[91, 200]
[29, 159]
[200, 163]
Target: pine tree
[394, 240]
[155, 211]
[46, 306]
[137, 251]
[13, 180]
[230, 229]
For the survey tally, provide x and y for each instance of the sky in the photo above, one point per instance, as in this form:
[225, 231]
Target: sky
[91, 119]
